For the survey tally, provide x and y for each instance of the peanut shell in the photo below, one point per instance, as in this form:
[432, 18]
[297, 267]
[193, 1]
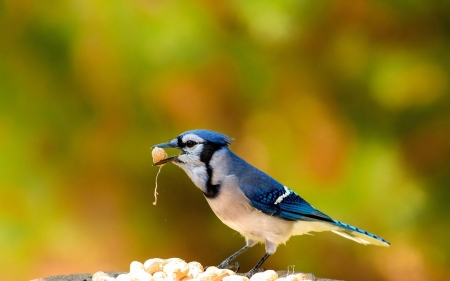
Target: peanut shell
[158, 154]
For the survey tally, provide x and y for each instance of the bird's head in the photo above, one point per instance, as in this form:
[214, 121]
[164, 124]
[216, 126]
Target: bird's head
[197, 146]
[198, 151]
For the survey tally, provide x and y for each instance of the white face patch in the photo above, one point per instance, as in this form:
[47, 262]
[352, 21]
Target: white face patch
[286, 194]
[218, 162]
[196, 150]
[191, 137]
[194, 168]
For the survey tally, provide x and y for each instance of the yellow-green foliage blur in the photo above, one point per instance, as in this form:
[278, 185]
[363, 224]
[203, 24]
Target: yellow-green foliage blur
[345, 102]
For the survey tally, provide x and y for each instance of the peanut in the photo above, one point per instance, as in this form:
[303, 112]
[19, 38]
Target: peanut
[158, 154]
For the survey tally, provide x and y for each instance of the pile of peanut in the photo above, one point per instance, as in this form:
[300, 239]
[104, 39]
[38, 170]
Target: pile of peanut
[176, 269]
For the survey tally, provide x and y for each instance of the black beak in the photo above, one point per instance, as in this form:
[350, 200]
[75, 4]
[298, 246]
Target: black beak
[164, 161]
[165, 145]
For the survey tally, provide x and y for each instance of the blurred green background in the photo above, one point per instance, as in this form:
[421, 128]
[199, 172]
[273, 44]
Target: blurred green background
[345, 102]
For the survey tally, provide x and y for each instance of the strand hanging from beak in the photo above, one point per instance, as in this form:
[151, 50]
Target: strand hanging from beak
[158, 154]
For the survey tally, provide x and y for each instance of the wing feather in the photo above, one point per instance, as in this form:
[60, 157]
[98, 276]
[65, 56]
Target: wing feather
[282, 202]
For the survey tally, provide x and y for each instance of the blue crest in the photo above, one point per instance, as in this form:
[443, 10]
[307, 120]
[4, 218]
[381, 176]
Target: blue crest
[210, 136]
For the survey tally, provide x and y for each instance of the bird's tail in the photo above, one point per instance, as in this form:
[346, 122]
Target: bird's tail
[359, 235]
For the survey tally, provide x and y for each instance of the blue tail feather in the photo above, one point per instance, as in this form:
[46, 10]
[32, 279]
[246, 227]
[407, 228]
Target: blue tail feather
[359, 235]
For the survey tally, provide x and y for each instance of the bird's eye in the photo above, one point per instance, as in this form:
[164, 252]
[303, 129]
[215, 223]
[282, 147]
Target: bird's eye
[190, 143]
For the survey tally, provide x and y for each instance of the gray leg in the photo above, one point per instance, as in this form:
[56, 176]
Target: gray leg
[226, 263]
[270, 249]
[258, 265]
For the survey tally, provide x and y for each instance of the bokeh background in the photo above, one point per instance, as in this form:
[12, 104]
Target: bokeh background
[345, 102]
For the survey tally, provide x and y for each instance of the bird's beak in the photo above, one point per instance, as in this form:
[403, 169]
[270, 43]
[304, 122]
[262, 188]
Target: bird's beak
[171, 144]
[164, 161]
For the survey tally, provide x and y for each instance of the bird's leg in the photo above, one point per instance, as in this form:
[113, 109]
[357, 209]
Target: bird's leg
[258, 265]
[271, 247]
[226, 263]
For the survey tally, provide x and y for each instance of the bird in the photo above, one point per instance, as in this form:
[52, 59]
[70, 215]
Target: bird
[250, 201]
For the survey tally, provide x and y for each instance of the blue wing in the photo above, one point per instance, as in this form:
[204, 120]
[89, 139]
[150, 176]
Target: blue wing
[282, 202]
[265, 193]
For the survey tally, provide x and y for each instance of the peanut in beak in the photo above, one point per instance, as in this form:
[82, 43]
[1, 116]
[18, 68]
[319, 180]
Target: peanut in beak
[158, 154]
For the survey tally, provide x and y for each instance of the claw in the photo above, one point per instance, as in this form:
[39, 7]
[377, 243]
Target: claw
[236, 266]
[253, 271]
[229, 266]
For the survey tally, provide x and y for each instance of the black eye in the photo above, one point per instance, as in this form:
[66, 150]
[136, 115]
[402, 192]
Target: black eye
[190, 143]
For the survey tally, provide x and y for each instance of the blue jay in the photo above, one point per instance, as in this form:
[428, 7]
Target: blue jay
[248, 200]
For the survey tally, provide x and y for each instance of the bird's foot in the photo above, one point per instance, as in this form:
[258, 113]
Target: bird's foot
[253, 271]
[226, 265]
